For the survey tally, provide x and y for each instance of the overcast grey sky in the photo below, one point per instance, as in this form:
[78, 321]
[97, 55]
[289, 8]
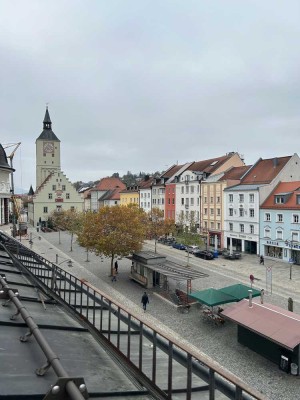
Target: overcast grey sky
[139, 85]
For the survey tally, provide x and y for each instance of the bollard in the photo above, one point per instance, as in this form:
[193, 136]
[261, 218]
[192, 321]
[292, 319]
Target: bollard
[290, 304]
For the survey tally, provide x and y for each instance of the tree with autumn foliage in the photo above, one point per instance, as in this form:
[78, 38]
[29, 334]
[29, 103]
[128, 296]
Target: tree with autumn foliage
[158, 226]
[58, 221]
[114, 231]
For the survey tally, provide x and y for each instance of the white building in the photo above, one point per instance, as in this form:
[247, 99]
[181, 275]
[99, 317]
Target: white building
[5, 193]
[54, 192]
[242, 202]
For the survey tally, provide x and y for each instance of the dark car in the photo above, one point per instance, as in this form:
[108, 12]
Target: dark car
[179, 246]
[233, 256]
[206, 255]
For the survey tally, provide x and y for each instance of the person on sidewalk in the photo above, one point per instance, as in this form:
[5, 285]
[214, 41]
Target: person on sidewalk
[116, 266]
[261, 260]
[145, 301]
[114, 275]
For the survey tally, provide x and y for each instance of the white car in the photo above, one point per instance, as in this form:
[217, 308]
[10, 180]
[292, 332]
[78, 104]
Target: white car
[192, 249]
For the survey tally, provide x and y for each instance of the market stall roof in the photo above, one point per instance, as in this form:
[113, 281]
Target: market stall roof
[212, 297]
[240, 291]
[272, 322]
[176, 271]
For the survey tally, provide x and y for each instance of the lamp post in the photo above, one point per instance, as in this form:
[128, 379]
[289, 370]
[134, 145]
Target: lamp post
[31, 237]
[289, 243]
[69, 262]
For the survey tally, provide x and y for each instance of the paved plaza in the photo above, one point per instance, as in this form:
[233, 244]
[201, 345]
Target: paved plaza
[218, 342]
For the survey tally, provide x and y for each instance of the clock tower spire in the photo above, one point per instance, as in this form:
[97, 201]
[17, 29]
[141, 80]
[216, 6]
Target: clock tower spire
[47, 152]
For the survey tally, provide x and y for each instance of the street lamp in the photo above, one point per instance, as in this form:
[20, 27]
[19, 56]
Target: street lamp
[289, 243]
[69, 262]
[31, 237]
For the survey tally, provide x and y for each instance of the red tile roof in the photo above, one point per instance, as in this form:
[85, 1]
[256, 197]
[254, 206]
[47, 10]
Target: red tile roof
[209, 166]
[146, 184]
[272, 322]
[235, 173]
[284, 187]
[264, 171]
[110, 183]
[171, 171]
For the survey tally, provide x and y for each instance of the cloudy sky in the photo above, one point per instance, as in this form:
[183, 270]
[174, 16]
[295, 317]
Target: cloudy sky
[140, 85]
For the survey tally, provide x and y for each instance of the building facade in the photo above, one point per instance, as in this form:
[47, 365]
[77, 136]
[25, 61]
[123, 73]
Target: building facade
[280, 223]
[5, 187]
[54, 192]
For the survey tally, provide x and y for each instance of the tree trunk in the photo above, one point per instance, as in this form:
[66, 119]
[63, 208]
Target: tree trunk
[59, 237]
[71, 242]
[112, 264]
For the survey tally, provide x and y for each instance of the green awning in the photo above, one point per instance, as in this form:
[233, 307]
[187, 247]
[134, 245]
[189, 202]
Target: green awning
[212, 297]
[240, 291]
[229, 294]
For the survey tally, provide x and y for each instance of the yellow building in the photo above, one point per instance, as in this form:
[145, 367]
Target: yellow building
[130, 196]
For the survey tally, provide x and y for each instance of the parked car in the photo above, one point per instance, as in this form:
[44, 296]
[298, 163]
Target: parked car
[233, 256]
[192, 249]
[179, 246]
[206, 255]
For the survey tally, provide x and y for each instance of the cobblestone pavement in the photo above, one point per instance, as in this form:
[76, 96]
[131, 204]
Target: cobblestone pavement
[218, 342]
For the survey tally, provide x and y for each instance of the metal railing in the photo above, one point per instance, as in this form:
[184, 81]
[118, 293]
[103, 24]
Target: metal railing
[129, 339]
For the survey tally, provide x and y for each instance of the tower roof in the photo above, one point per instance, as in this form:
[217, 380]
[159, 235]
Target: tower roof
[3, 160]
[47, 133]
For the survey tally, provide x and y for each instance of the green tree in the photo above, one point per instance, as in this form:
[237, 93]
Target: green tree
[158, 226]
[114, 231]
[58, 220]
[73, 223]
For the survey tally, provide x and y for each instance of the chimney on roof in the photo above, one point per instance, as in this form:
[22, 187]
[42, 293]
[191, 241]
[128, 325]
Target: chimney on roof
[275, 162]
[250, 298]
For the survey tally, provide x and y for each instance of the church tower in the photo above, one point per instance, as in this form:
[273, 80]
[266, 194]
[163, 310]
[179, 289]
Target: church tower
[47, 152]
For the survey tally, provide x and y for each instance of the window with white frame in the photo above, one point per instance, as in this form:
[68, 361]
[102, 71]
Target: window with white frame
[187, 201]
[68, 196]
[279, 218]
[182, 201]
[192, 201]
[162, 201]
[230, 198]
[267, 232]
[205, 211]
[154, 191]
[251, 198]
[218, 199]
[211, 199]
[279, 234]
[251, 212]
[241, 211]
[241, 198]
[192, 189]
[205, 199]
[295, 236]
[45, 210]
[212, 225]
[267, 217]
[187, 189]
[231, 226]
[218, 211]
[252, 229]
[242, 228]
[211, 211]
[295, 218]
[182, 189]
[219, 226]
[230, 212]
[50, 196]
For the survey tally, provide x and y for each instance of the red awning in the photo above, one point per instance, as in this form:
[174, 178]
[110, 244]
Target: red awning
[272, 322]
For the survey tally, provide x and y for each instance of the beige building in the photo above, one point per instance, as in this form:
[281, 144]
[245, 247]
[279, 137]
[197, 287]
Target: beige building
[54, 192]
[212, 205]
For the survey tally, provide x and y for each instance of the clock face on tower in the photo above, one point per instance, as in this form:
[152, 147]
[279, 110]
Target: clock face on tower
[48, 147]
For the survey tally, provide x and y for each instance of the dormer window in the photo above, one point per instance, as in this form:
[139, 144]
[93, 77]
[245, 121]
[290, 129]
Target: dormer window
[279, 199]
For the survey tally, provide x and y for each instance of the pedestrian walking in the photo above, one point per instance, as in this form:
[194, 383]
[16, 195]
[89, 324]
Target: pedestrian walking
[114, 275]
[145, 301]
[116, 267]
[261, 260]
